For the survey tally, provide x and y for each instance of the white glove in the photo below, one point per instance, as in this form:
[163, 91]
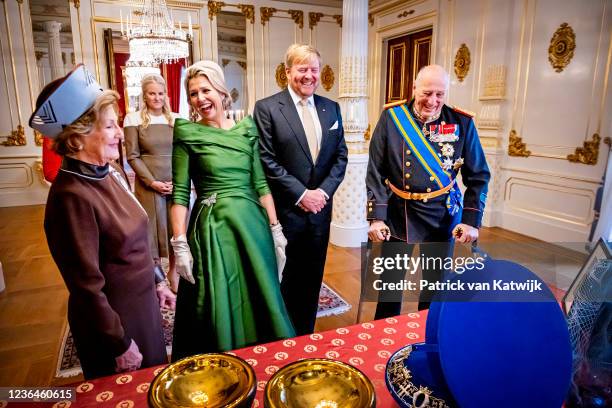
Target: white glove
[130, 360]
[183, 260]
[280, 242]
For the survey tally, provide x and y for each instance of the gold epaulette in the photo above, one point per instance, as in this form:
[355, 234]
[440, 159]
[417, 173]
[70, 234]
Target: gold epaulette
[462, 111]
[396, 103]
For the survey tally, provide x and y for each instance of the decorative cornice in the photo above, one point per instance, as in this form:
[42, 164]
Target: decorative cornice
[516, 147]
[588, 153]
[338, 18]
[248, 11]
[297, 16]
[16, 138]
[214, 7]
[266, 13]
[314, 18]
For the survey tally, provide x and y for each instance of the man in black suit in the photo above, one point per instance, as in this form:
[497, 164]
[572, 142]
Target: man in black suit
[304, 155]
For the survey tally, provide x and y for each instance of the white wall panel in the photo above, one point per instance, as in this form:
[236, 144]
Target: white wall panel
[281, 33]
[327, 38]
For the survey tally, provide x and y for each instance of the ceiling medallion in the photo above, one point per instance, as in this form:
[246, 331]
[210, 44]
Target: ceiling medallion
[281, 76]
[462, 62]
[562, 46]
[327, 77]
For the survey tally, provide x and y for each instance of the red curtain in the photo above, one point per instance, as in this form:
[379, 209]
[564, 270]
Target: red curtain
[172, 74]
[120, 60]
[51, 160]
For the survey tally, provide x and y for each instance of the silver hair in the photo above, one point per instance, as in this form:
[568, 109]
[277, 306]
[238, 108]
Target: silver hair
[438, 69]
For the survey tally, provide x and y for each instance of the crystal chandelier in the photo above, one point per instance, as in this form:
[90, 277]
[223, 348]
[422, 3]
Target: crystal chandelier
[135, 71]
[154, 39]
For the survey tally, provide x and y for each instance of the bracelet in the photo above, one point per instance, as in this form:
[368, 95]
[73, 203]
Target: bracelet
[162, 284]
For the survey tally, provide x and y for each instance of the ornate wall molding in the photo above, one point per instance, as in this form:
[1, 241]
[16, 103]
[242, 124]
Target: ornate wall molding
[214, 7]
[314, 18]
[281, 76]
[248, 11]
[462, 62]
[562, 46]
[16, 138]
[588, 153]
[224, 62]
[77, 3]
[297, 16]
[327, 77]
[371, 18]
[338, 18]
[38, 169]
[266, 13]
[516, 147]
[405, 13]
[242, 64]
[38, 138]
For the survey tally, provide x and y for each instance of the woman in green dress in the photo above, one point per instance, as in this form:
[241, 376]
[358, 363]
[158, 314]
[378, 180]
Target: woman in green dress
[229, 295]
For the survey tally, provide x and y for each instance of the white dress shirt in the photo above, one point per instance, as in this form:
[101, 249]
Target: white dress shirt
[317, 124]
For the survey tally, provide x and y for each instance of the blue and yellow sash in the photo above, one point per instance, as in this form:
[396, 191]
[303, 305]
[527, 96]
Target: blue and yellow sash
[425, 154]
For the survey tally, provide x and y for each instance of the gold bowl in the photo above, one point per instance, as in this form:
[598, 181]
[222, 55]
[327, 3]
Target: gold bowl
[204, 380]
[319, 383]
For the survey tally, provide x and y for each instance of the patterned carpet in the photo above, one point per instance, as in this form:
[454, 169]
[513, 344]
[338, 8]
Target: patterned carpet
[330, 303]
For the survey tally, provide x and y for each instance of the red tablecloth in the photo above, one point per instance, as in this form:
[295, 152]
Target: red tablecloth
[366, 346]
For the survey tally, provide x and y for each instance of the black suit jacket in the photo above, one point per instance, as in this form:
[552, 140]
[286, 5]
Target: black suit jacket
[287, 160]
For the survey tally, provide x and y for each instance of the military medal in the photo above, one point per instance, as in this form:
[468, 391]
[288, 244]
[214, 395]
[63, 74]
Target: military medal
[447, 164]
[443, 133]
[448, 150]
[458, 163]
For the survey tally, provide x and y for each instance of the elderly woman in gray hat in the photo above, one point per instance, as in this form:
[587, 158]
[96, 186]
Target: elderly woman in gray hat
[97, 232]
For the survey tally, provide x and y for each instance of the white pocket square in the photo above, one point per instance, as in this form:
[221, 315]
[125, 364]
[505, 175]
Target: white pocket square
[335, 126]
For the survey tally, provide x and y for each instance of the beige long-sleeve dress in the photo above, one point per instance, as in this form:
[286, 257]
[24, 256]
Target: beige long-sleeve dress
[149, 153]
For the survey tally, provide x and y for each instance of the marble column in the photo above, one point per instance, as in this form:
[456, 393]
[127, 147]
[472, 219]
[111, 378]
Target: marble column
[40, 69]
[55, 48]
[349, 226]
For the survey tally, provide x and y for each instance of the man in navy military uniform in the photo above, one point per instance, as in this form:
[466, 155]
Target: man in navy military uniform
[416, 152]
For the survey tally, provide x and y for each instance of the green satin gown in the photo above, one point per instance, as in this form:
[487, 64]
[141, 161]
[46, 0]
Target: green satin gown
[236, 300]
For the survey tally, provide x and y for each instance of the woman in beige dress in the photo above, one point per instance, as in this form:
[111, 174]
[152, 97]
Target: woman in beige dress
[148, 143]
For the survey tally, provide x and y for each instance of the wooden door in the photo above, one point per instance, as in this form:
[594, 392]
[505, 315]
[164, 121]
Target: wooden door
[406, 55]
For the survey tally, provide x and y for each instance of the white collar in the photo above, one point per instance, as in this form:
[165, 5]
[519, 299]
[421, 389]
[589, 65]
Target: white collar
[296, 98]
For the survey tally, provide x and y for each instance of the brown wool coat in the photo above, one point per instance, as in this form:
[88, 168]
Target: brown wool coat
[97, 235]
